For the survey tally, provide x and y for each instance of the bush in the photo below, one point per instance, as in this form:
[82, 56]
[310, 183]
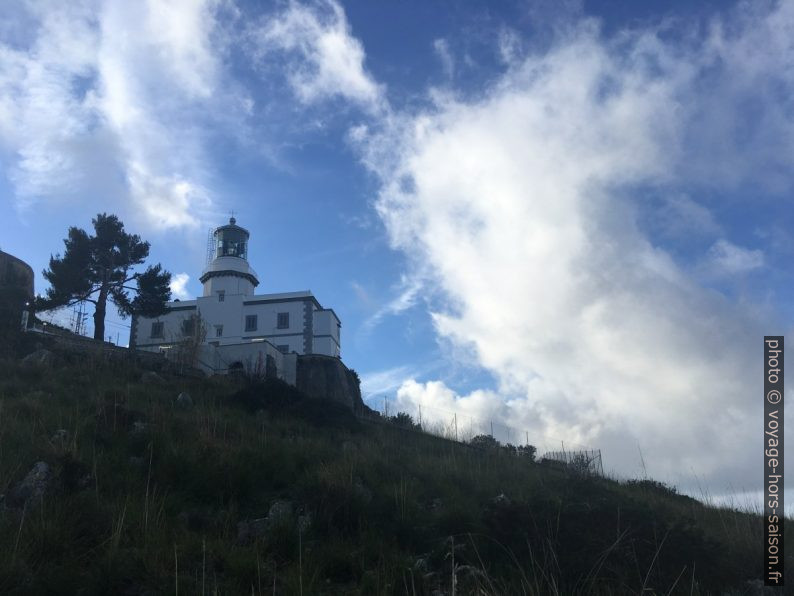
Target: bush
[484, 442]
[404, 420]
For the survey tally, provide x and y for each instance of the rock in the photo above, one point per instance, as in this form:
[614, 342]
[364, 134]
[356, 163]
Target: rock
[421, 563]
[500, 499]
[279, 512]
[151, 378]
[40, 358]
[32, 487]
[251, 529]
[184, 400]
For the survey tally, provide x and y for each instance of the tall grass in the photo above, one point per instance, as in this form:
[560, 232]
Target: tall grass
[146, 498]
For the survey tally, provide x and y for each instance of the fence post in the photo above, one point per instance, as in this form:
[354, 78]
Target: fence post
[492, 428]
[420, 415]
[456, 426]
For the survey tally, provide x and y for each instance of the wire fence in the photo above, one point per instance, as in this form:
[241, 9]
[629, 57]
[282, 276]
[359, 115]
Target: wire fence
[462, 427]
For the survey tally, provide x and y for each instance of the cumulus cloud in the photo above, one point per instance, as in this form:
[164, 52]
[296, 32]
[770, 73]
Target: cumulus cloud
[107, 99]
[179, 286]
[524, 210]
[325, 59]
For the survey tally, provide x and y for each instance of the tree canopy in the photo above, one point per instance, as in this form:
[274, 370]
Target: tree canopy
[101, 267]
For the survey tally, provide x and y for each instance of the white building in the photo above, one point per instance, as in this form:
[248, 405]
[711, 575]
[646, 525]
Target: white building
[241, 329]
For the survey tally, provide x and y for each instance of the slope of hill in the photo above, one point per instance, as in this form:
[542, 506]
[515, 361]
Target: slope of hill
[113, 485]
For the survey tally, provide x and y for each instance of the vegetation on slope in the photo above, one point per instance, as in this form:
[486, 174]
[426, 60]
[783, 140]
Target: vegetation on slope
[255, 489]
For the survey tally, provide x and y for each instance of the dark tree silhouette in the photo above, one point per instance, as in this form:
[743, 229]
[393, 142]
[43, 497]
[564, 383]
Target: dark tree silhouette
[100, 267]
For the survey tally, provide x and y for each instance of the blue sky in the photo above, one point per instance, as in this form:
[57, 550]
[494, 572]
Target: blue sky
[570, 217]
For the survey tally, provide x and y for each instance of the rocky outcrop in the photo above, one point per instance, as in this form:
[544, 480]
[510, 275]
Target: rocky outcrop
[326, 377]
[31, 488]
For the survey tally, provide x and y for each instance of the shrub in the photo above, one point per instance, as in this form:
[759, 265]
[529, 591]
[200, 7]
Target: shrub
[484, 442]
[404, 420]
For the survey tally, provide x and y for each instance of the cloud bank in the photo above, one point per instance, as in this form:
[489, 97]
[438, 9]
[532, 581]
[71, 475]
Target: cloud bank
[524, 208]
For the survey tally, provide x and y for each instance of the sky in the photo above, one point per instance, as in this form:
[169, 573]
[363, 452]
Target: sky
[569, 218]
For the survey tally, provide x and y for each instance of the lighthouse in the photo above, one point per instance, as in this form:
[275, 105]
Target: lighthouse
[229, 271]
[235, 327]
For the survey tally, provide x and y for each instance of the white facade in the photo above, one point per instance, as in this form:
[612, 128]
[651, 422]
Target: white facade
[242, 328]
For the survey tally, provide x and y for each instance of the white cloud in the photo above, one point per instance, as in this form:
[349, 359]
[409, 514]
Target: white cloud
[523, 208]
[725, 258]
[326, 61]
[179, 286]
[107, 100]
[409, 291]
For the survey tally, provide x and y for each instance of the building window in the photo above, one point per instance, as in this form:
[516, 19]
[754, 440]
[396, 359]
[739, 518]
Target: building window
[283, 320]
[284, 349]
[218, 330]
[250, 322]
[221, 296]
[188, 326]
[157, 329]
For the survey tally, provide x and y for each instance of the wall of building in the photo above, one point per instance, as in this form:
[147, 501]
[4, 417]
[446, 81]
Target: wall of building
[17, 271]
[326, 333]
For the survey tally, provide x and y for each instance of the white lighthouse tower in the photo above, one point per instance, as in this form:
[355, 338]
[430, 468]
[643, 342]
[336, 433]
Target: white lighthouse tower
[229, 271]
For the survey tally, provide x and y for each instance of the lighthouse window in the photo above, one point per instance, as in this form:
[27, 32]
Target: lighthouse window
[231, 248]
[157, 329]
[218, 330]
[221, 296]
[250, 322]
[283, 320]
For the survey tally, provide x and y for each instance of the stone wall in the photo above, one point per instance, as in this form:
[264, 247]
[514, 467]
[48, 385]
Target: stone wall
[326, 377]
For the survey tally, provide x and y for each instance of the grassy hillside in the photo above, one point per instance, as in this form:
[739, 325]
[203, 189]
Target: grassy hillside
[255, 490]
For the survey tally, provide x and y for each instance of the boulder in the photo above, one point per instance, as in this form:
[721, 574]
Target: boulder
[279, 512]
[41, 358]
[184, 400]
[31, 488]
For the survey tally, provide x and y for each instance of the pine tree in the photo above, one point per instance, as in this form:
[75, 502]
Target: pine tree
[99, 268]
